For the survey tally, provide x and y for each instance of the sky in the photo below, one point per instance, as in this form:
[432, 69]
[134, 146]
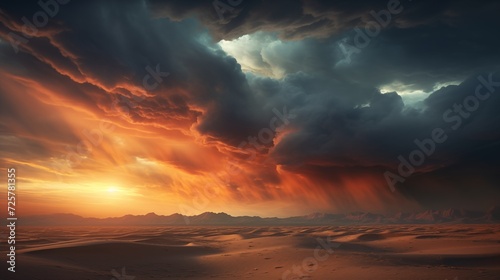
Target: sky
[270, 108]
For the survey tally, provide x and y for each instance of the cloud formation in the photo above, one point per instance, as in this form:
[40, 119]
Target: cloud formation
[168, 99]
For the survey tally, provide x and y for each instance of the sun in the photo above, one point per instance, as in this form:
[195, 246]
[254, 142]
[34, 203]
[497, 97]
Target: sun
[112, 189]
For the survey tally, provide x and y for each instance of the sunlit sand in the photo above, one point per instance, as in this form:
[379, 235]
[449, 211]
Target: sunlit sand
[328, 252]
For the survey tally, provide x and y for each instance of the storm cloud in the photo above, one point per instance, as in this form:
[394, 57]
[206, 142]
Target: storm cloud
[361, 83]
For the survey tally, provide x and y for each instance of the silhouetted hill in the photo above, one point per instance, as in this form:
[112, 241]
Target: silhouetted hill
[210, 218]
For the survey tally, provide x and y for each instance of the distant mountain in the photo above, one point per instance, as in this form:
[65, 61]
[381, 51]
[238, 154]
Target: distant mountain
[210, 218]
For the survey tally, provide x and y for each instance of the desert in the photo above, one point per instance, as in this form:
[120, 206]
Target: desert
[262, 252]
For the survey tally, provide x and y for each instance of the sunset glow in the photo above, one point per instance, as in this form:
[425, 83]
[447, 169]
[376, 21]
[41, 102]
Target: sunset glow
[155, 112]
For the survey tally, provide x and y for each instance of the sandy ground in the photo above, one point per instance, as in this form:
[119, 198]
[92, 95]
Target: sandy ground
[334, 252]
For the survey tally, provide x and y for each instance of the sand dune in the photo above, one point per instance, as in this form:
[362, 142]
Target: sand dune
[327, 252]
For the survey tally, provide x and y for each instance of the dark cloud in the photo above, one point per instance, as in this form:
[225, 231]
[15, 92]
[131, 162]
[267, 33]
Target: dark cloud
[299, 19]
[97, 53]
[427, 42]
[376, 133]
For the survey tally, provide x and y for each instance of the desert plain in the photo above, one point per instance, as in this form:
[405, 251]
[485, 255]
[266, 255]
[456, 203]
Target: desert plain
[226, 252]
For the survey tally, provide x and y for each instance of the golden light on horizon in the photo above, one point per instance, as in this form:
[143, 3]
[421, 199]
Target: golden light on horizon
[251, 121]
[113, 189]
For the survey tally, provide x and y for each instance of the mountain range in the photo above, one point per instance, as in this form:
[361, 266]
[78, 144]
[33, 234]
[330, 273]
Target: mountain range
[223, 219]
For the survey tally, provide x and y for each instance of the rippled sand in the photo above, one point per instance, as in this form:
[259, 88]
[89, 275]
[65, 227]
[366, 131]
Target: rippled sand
[336, 252]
